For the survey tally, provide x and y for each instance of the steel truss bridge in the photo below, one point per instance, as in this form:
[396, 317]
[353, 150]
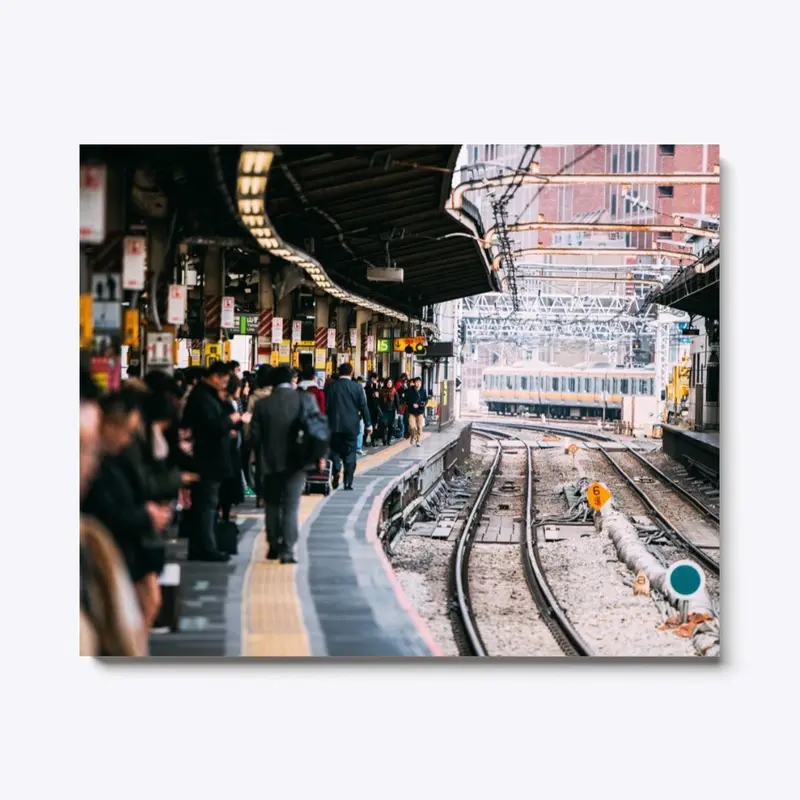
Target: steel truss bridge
[492, 317]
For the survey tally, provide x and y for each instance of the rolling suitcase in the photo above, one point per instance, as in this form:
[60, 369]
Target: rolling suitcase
[319, 480]
[227, 537]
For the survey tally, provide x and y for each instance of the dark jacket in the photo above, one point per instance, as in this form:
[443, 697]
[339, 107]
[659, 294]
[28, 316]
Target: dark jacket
[116, 498]
[418, 396]
[274, 427]
[210, 424]
[345, 402]
[373, 392]
[389, 402]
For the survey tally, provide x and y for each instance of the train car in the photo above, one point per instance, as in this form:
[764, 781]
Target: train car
[579, 392]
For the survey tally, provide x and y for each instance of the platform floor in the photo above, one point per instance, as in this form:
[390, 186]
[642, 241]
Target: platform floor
[341, 599]
[708, 438]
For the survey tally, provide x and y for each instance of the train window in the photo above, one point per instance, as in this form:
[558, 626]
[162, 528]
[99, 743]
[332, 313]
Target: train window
[614, 386]
[555, 384]
[572, 384]
[623, 385]
[643, 386]
[587, 385]
[524, 380]
[509, 382]
[652, 386]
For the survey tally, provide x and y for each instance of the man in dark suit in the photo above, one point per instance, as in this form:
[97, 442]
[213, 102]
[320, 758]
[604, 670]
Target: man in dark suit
[211, 424]
[345, 403]
[273, 438]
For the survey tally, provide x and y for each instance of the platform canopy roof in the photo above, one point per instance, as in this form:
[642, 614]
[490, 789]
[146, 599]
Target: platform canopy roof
[350, 206]
[695, 288]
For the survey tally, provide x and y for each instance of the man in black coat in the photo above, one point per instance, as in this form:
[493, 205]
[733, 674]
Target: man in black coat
[345, 404]
[273, 437]
[211, 424]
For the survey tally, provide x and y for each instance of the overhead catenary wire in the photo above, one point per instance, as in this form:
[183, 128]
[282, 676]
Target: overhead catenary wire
[561, 171]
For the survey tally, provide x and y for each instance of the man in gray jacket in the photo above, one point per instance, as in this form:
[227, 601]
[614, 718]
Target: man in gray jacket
[273, 435]
[345, 404]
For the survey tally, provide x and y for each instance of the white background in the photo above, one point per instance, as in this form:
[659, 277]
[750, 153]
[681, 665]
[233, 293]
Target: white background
[411, 72]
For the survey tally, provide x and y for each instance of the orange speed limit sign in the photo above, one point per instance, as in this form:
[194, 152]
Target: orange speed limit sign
[572, 449]
[597, 495]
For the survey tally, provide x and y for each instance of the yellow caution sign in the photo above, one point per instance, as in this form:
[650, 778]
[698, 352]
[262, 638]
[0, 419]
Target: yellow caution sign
[131, 330]
[86, 323]
[572, 449]
[274, 358]
[226, 351]
[213, 353]
[597, 495]
[194, 358]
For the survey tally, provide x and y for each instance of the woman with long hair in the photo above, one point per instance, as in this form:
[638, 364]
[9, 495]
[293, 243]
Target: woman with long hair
[389, 404]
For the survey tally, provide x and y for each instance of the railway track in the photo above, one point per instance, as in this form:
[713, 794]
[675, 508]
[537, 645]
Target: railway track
[466, 630]
[663, 486]
[623, 459]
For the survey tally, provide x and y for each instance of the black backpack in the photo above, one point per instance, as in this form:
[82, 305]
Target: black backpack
[312, 437]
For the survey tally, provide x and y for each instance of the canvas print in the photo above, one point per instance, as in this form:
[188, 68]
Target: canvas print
[392, 401]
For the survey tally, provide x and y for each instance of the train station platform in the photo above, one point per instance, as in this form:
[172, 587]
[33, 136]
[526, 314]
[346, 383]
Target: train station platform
[701, 446]
[341, 599]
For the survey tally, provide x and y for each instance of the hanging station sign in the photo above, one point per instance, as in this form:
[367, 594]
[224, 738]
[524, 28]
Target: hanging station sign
[133, 262]
[106, 302]
[228, 312]
[176, 305]
[277, 330]
[93, 204]
[247, 325]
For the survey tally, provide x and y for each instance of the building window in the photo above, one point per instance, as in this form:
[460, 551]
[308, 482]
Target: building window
[614, 163]
[628, 161]
[666, 191]
[665, 235]
[475, 155]
[628, 239]
[613, 205]
[667, 149]
[635, 160]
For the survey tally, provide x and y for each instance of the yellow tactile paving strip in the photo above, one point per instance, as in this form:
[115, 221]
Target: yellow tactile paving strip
[272, 616]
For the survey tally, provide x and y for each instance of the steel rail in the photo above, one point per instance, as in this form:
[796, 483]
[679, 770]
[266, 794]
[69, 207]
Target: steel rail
[559, 625]
[462, 616]
[709, 563]
[688, 496]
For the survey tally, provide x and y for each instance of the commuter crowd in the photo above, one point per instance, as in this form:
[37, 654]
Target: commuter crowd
[187, 448]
